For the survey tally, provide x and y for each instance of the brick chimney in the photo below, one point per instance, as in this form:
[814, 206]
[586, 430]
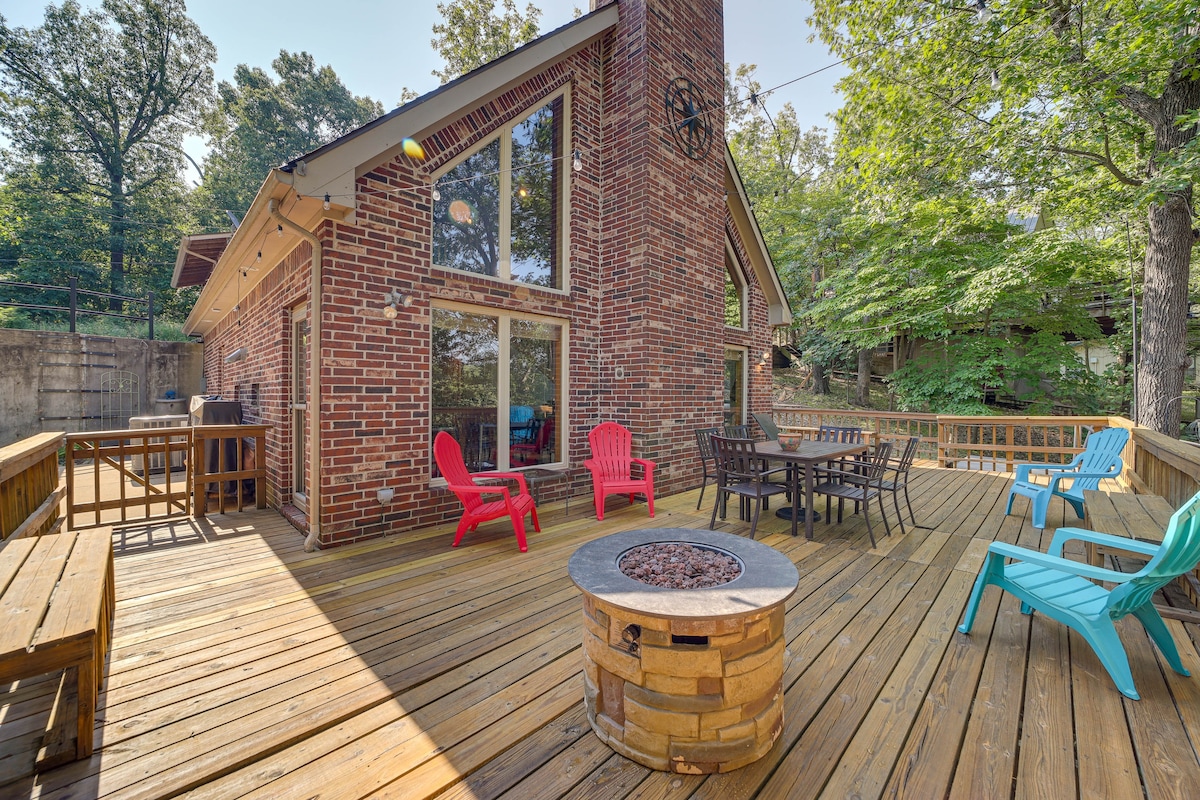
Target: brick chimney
[662, 225]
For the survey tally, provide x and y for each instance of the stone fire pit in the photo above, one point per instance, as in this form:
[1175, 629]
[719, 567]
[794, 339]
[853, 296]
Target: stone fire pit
[684, 680]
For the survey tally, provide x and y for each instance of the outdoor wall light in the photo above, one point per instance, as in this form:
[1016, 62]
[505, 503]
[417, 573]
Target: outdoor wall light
[237, 355]
[393, 301]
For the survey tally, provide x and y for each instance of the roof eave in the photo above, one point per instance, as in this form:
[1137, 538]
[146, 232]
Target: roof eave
[332, 169]
[779, 312]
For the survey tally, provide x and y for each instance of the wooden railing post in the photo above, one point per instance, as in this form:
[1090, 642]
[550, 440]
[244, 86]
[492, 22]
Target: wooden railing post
[29, 486]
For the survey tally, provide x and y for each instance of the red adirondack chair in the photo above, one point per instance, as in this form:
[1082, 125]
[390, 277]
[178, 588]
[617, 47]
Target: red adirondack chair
[611, 466]
[475, 510]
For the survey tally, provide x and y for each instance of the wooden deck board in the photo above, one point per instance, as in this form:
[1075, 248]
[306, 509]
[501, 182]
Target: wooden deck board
[244, 667]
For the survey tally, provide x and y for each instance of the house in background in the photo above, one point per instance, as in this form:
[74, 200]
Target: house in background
[557, 238]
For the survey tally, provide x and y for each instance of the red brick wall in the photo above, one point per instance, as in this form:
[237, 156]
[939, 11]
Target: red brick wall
[663, 231]
[646, 266]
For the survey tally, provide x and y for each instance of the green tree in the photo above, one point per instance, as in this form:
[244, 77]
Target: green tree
[1056, 103]
[474, 34]
[259, 123]
[99, 103]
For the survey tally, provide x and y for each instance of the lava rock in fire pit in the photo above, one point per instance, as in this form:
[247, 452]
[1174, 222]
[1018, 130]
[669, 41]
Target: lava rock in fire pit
[679, 565]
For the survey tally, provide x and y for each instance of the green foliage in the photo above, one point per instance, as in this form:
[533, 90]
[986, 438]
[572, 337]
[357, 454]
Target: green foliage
[955, 375]
[951, 376]
[260, 123]
[474, 34]
[98, 104]
[1087, 111]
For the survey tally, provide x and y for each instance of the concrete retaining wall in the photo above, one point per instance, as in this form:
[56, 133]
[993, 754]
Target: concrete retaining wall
[51, 381]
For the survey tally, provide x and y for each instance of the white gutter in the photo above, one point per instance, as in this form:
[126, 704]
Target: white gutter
[314, 376]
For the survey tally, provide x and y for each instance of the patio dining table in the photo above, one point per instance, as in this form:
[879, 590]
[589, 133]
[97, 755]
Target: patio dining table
[806, 457]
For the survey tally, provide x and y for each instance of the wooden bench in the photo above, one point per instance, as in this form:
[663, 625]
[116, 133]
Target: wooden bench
[1136, 516]
[56, 609]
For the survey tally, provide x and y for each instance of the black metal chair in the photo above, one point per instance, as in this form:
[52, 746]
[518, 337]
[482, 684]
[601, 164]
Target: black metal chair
[740, 471]
[708, 457]
[737, 431]
[898, 468]
[837, 433]
[768, 425]
[859, 480]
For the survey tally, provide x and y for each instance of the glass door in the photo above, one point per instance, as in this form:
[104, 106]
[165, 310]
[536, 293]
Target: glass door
[298, 404]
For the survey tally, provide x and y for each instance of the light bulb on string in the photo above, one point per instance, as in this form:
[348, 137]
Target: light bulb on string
[436, 194]
[996, 84]
[258, 258]
[982, 11]
[326, 203]
[279, 231]
[576, 162]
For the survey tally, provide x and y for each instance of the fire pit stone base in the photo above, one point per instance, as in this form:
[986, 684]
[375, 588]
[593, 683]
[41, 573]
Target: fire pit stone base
[686, 681]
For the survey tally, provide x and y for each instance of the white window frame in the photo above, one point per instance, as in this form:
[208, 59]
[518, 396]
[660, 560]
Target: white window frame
[504, 134]
[503, 383]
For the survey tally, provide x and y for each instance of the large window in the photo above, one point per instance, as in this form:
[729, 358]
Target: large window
[498, 387]
[500, 210]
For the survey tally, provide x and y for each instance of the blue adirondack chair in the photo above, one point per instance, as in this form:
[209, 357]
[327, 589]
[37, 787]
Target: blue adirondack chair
[1100, 459]
[1060, 589]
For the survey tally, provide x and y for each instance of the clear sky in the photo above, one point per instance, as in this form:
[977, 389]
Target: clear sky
[377, 47]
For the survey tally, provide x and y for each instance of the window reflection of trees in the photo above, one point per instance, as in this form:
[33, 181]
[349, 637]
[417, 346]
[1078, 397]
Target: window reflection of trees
[537, 164]
[466, 377]
[466, 220]
[535, 363]
[467, 217]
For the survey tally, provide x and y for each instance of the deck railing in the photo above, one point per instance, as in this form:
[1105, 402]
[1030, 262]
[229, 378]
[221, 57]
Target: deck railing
[1154, 463]
[885, 424]
[216, 458]
[999, 443]
[1157, 464]
[29, 488]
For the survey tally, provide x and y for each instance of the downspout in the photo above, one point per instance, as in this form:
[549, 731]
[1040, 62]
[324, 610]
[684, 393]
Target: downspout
[314, 376]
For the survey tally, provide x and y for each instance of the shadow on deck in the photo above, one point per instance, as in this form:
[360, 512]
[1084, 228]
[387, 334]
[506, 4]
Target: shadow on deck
[244, 667]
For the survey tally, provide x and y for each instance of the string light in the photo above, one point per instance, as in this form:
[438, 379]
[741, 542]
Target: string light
[577, 162]
[326, 205]
[258, 258]
[279, 231]
[982, 11]
[436, 194]
[996, 84]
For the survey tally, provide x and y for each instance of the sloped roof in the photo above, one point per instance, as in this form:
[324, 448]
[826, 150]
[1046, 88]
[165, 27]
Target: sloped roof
[198, 254]
[332, 169]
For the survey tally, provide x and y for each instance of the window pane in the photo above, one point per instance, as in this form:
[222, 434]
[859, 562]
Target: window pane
[466, 354]
[466, 220]
[537, 150]
[536, 361]
[733, 297]
[735, 371]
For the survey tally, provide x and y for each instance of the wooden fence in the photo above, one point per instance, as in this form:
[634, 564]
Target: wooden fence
[29, 488]
[886, 424]
[1154, 463]
[105, 483]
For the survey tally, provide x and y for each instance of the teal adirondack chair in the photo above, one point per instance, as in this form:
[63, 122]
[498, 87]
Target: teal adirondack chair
[1060, 589]
[1100, 459]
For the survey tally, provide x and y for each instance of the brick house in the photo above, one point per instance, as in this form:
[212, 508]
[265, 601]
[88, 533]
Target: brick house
[547, 242]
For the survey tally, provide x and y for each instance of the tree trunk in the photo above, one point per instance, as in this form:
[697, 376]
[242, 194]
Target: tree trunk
[1162, 357]
[820, 379]
[1163, 352]
[116, 246]
[862, 394]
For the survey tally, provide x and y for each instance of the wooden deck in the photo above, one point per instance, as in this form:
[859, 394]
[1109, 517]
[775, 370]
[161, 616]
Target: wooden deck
[244, 667]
